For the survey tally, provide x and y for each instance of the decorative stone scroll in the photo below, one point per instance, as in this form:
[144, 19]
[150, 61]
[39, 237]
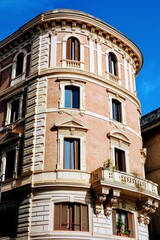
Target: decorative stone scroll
[105, 200]
[145, 209]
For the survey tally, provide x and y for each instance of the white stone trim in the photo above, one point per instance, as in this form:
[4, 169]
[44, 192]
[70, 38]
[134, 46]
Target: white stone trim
[4, 159]
[81, 86]
[130, 78]
[122, 101]
[14, 65]
[9, 110]
[118, 63]
[91, 55]
[99, 58]
[64, 46]
[53, 51]
[77, 135]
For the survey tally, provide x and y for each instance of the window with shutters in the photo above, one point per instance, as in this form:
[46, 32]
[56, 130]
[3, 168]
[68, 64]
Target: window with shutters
[116, 110]
[120, 160]
[112, 64]
[71, 217]
[71, 153]
[73, 49]
[72, 94]
[123, 223]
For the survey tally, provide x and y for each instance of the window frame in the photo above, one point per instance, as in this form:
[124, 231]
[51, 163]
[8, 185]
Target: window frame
[67, 213]
[15, 78]
[74, 101]
[112, 64]
[112, 97]
[120, 159]
[117, 110]
[129, 219]
[73, 49]
[9, 110]
[5, 160]
[73, 155]
[75, 83]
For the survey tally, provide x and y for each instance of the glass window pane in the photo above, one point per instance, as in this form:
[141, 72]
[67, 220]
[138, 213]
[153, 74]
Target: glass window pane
[75, 98]
[19, 67]
[67, 154]
[14, 110]
[10, 163]
[67, 97]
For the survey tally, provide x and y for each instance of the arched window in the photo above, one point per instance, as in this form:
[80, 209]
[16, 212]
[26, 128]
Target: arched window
[112, 64]
[73, 49]
[20, 63]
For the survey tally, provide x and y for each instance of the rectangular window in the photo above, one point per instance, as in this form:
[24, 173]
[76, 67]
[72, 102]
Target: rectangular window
[123, 223]
[10, 164]
[8, 223]
[116, 110]
[71, 153]
[120, 160]
[71, 217]
[15, 109]
[71, 97]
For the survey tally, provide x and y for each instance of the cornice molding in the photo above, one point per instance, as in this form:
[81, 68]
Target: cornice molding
[51, 19]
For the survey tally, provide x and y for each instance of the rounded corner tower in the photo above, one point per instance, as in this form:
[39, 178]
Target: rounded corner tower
[72, 162]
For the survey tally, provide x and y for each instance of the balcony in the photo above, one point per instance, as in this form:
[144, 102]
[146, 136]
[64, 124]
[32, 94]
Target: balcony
[128, 184]
[72, 63]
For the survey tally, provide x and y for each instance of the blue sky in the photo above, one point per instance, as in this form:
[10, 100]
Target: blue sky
[139, 20]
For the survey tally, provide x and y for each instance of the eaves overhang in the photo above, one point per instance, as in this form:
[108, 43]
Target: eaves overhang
[102, 29]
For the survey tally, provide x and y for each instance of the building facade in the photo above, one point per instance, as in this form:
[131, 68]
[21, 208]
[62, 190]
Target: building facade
[72, 162]
[150, 125]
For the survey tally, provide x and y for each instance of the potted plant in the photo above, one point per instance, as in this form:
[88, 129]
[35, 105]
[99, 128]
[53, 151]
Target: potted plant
[120, 228]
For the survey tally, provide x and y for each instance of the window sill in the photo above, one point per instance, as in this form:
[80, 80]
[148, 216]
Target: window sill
[11, 126]
[17, 79]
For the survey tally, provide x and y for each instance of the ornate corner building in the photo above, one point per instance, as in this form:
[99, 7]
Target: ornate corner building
[72, 162]
[150, 124]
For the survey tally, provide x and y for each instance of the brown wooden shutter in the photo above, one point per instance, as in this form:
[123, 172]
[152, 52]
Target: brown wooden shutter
[77, 50]
[110, 63]
[123, 161]
[57, 217]
[68, 48]
[84, 218]
[114, 222]
[131, 226]
[77, 216]
[77, 153]
[64, 222]
[116, 159]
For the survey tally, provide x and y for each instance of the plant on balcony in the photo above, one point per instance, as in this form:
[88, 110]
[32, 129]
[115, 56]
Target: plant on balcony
[108, 164]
